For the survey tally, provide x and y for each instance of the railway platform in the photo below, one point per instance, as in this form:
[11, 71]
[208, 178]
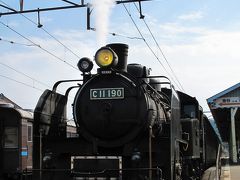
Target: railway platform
[229, 172]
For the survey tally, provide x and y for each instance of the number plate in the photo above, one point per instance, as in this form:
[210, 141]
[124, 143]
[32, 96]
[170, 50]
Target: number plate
[107, 93]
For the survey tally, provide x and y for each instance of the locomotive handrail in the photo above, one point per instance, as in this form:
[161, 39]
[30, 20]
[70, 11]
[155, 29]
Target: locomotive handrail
[160, 82]
[164, 95]
[119, 74]
[165, 77]
[69, 89]
[62, 81]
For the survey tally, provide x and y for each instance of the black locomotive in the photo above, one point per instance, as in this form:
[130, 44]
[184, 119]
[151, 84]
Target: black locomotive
[131, 126]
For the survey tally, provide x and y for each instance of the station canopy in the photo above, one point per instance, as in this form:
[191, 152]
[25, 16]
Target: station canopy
[221, 105]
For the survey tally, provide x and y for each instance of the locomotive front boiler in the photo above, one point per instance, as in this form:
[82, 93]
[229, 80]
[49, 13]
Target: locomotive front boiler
[114, 106]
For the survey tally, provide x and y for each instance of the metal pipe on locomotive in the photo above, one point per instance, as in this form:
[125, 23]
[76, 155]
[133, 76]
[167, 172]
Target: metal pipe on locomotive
[129, 126]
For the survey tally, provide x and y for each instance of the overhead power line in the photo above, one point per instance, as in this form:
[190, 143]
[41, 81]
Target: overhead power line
[47, 51]
[37, 24]
[160, 49]
[24, 74]
[20, 82]
[128, 37]
[120, 35]
[13, 42]
[43, 9]
[72, 5]
[19, 72]
[70, 2]
[149, 45]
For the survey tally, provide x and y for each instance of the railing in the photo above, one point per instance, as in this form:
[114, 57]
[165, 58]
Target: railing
[218, 163]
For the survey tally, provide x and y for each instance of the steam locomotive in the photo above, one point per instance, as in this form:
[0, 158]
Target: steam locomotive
[131, 125]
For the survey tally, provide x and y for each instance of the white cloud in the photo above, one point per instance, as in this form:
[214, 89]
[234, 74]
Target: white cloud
[176, 28]
[206, 63]
[191, 16]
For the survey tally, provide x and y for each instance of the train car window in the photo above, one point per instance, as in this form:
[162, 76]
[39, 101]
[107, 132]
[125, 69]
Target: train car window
[29, 133]
[189, 111]
[68, 134]
[71, 134]
[10, 137]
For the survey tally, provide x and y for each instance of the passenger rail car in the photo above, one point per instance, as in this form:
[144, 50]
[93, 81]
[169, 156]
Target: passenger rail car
[15, 141]
[131, 125]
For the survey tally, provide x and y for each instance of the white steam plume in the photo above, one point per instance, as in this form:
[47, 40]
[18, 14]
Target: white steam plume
[102, 10]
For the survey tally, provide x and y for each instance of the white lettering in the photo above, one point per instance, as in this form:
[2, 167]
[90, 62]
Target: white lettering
[119, 93]
[94, 94]
[103, 94]
[107, 93]
[114, 93]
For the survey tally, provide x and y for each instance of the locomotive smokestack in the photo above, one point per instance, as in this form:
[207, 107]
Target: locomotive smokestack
[122, 52]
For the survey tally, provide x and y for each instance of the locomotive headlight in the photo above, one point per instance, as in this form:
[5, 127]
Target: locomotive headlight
[85, 65]
[106, 57]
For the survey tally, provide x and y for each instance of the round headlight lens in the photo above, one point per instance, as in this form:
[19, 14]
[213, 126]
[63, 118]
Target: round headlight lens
[105, 57]
[85, 65]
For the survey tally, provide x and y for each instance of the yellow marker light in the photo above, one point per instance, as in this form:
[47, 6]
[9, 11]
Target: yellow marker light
[105, 57]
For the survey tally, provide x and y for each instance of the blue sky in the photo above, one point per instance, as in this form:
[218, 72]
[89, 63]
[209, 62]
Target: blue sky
[200, 40]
